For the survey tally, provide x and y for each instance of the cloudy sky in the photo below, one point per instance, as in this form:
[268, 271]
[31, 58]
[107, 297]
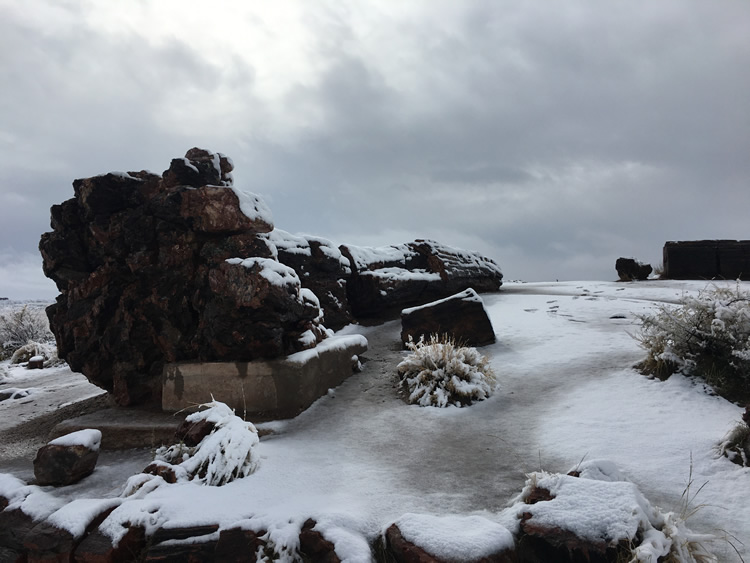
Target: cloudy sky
[553, 137]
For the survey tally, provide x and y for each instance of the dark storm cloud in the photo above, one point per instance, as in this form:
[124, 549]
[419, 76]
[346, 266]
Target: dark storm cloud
[553, 138]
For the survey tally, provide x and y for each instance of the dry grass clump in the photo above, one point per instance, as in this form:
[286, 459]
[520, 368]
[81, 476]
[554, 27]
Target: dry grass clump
[440, 372]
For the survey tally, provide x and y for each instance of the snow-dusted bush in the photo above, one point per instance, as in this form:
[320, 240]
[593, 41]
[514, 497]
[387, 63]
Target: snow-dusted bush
[227, 453]
[21, 325]
[36, 349]
[439, 373]
[707, 335]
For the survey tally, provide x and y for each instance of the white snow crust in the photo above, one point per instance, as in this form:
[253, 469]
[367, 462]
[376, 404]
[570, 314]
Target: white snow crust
[455, 538]
[88, 438]
[253, 206]
[335, 342]
[272, 270]
[401, 274]
[466, 295]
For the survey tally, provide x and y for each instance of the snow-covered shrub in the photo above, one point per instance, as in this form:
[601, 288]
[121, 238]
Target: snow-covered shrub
[736, 444]
[227, 453]
[33, 349]
[21, 325]
[707, 336]
[439, 373]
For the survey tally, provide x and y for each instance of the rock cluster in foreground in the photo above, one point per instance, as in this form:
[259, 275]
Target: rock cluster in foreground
[592, 514]
[156, 269]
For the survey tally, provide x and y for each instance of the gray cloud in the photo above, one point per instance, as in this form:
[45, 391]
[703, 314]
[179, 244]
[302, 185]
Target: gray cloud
[552, 138]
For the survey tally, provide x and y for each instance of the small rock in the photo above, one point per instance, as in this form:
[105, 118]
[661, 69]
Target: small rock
[67, 459]
[37, 362]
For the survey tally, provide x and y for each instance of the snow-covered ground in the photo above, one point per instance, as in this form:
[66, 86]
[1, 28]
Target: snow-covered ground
[360, 458]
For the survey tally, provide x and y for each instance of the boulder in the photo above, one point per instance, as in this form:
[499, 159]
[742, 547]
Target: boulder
[394, 277]
[68, 459]
[97, 547]
[631, 270]
[235, 543]
[313, 545]
[481, 541]
[152, 269]
[461, 317]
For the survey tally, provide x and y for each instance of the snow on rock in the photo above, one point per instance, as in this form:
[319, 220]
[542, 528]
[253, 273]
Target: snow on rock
[89, 438]
[29, 499]
[253, 207]
[602, 512]
[275, 272]
[332, 343]
[454, 537]
[76, 516]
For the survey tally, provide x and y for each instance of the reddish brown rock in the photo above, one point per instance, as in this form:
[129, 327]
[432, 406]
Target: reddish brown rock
[461, 317]
[403, 551]
[237, 545]
[97, 547]
[63, 465]
[46, 543]
[314, 546]
[191, 433]
[14, 527]
[140, 261]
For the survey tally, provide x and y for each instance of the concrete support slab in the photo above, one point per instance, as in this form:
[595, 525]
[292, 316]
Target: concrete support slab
[279, 388]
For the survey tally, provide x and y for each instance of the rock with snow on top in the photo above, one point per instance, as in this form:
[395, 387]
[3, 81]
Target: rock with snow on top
[146, 267]
[462, 317]
[68, 459]
[423, 538]
[391, 278]
[632, 270]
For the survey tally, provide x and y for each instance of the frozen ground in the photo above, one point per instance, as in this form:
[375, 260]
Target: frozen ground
[361, 458]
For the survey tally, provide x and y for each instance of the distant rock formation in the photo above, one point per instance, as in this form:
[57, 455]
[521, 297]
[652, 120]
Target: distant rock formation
[631, 270]
[184, 267]
[707, 259]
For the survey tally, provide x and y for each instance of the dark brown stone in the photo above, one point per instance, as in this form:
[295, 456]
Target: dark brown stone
[542, 544]
[314, 546]
[191, 433]
[238, 546]
[46, 543]
[631, 270]
[14, 527]
[166, 472]
[165, 534]
[461, 317]
[193, 551]
[63, 465]
[98, 548]
[35, 363]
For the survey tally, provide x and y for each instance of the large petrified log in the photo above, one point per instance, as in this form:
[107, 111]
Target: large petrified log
[149, 273]
[707, 259]
[394, 277]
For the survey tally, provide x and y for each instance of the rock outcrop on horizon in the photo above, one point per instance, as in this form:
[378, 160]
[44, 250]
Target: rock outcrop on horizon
[156, 269]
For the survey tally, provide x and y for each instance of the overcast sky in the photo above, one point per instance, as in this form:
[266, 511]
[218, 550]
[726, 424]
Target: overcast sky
[553, 137]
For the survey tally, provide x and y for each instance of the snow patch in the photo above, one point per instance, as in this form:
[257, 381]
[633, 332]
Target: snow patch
[89, 438]
[455, 538]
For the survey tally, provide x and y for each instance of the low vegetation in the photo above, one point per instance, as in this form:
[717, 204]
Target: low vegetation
[707, 336]
[440, 372]
[20, 326]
